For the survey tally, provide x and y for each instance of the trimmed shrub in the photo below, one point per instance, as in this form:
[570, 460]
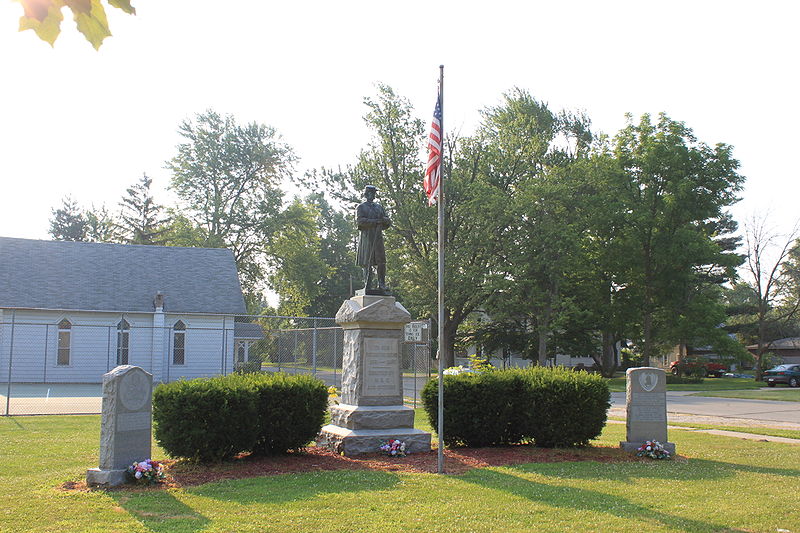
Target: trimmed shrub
[558, 407]
[214, 419]
[291, 411]
[205, 419]
[549, 406]
[478, 408]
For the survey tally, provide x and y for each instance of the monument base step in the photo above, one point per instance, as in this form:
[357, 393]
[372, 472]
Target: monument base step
[633, 446]
[105, 478]
[372, 417]
[360, 441]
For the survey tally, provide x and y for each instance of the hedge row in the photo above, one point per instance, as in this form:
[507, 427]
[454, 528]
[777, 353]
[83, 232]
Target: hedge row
[546, 406]
[213, 419]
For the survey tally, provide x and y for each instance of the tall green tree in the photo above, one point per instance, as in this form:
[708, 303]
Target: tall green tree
[227, 177]
[337, 250]
[142, 220]
[675, 186]
[68, 222]
[296, 257]
[101, 226]
[529, 150]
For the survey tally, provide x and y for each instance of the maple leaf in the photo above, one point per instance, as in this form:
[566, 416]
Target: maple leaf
[44, 18]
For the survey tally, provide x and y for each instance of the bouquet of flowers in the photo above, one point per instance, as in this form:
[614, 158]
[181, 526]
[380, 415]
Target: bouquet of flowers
[148, 471]
[394, 447]
[652, 449]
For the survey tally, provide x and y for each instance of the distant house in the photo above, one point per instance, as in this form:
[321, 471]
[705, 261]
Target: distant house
[787, 349]
[71, 311]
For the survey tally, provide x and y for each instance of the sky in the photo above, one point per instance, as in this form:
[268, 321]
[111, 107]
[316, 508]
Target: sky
[78, 122]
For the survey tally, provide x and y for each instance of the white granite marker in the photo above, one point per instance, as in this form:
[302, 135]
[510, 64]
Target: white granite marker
[125, 430]
[646, 408]
[372, 409]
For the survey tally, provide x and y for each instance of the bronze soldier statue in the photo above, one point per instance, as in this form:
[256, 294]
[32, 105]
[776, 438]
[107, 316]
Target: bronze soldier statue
[371, 220]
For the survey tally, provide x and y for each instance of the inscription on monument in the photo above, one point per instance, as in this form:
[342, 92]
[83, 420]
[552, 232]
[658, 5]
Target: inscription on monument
[381, 367]
[648, 413]
[133, 421]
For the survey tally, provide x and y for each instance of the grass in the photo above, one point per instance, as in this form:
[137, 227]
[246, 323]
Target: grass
[703, 493]
[778, 394]
[617, 384]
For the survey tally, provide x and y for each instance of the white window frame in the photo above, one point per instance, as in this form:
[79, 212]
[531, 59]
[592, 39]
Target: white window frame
[123, 341]
[179, 332]
[64, 332]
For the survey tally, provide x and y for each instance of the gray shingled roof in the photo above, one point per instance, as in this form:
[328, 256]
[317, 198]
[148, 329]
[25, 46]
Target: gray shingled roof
[248, 330]
[117, 277]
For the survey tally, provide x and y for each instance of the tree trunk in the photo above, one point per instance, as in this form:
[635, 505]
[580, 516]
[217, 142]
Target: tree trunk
[608, 362]
[544, 332]
[648, 341]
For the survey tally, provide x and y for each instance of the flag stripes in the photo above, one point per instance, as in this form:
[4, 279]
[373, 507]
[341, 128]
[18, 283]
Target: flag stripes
[433, 171]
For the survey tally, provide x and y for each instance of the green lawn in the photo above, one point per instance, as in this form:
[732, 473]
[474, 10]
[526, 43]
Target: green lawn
[703, 493]
[779, 394]
[617, 384]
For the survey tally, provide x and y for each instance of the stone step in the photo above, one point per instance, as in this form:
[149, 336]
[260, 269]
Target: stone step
[359, 441]
[372, 417]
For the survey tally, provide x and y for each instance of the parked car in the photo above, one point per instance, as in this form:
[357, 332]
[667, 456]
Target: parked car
[698, 366]
[788, 374]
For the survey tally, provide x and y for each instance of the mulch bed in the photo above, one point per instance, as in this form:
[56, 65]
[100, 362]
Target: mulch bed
[312, 459]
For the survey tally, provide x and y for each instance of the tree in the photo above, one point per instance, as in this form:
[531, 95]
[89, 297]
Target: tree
[101, 226]
[228, 179]
[68, 222]
[141, 218]
[44, 18]
[337, 238]
[772, 285]
[392, 162]
[296, 258]
[676, 185]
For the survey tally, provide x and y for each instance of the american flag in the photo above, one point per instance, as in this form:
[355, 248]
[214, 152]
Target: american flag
[433, 172]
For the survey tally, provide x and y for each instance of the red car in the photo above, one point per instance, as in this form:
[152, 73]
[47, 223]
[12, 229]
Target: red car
[697, 366]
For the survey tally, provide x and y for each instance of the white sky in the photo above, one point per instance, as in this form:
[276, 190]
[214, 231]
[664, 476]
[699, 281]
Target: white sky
[86, 123]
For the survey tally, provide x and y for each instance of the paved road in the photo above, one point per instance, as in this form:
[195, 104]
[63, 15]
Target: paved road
[763, 410]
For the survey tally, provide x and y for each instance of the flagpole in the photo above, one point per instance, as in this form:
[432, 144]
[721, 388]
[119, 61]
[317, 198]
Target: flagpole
[440, 209]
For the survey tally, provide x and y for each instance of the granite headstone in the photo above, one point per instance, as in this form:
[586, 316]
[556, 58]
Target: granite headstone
[646, 395]
[126, 424]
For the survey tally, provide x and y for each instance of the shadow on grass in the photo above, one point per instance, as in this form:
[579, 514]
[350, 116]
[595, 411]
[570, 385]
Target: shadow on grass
[160, 511]
[289, 487]
[582, 500]
[693, 470]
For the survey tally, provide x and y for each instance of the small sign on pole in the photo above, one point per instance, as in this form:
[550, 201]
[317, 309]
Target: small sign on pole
[413, 331]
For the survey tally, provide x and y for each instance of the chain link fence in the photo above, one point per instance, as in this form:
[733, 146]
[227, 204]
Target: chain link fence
[57, 367]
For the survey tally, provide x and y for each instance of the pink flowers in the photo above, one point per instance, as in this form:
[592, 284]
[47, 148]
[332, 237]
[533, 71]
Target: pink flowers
[652, 449]
[394, 447]
[147, 471]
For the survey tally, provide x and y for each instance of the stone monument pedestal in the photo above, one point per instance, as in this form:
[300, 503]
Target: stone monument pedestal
[125, 427]
[646, 416]
[372, 410]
